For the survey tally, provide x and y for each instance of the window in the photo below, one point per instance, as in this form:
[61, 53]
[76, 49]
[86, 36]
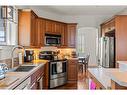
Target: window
[8, 25]
[2, 31]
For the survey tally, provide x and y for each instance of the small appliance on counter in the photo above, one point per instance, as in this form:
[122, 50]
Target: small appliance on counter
[29, 56]
[73, 54]
[48, 55]
[3, 70]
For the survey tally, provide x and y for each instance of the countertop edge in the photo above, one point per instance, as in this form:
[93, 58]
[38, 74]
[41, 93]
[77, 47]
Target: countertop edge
[28, 74]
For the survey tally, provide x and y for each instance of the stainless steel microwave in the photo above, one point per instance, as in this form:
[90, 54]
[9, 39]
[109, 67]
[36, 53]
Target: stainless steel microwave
[52, 40]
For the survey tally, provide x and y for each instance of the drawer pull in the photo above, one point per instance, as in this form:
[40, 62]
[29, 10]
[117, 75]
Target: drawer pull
[32, 85]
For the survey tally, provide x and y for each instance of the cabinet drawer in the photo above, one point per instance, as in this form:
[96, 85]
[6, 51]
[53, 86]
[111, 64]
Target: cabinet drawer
[24, 85]
[72, 62]
[37, 74]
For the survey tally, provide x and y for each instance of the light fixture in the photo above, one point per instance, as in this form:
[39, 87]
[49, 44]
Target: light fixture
[6, 12]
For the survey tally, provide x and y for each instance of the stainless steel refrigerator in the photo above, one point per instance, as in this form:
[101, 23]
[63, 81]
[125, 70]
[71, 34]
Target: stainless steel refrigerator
[107, 52]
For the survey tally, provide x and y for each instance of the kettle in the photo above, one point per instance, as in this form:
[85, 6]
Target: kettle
[3, 70]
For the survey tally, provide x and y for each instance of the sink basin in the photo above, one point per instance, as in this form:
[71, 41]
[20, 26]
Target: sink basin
[22, 69]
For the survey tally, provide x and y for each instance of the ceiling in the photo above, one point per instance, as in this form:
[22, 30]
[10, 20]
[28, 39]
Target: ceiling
[83, 10]
[85, 16]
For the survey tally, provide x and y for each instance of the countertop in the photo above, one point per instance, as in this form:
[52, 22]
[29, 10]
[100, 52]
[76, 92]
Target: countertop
[118, 76]
[101, 75]
[12, 79]
[105, 75]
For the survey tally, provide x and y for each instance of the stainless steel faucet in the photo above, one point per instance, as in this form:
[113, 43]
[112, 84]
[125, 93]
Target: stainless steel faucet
[12, 53]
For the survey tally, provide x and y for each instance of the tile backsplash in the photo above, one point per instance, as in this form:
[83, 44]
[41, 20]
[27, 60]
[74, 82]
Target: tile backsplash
[63, 52]
[5, 52]
[5, 55]
[66, 52]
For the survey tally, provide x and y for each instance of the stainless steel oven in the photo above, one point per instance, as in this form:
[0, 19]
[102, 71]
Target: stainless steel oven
[58, 73]
[52, 40]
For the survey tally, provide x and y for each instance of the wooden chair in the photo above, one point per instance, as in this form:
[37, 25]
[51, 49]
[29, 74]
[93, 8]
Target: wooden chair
[86, 62]
[83, 63]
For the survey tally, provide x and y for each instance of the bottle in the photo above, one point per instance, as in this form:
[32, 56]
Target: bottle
[20, 58]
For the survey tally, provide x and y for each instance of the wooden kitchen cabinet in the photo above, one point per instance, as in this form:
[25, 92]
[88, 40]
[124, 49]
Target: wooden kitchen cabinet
[32, 30]
[71, 33]
[46, 76]
[35, 78]
[57, 28]
[107, 26]
[115, 86]
[64, 35]
[99, 86]
[49, 26]
[53, 27]
[41, 31]
[121, 38]
[27, 29]
[119, 25]
[72, 70]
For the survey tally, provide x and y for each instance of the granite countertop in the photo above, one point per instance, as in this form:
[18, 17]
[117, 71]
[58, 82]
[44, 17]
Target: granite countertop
[105, 75]
[100, 75]
[12, 79]
[118, 76]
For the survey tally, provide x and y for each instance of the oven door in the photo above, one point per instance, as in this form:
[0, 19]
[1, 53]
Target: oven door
[58, 69]
[58, 74]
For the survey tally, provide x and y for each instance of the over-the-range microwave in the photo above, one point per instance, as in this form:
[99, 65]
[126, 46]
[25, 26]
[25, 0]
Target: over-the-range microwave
[52, 40]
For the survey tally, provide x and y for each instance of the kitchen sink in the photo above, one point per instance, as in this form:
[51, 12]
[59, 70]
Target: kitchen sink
[22, 69]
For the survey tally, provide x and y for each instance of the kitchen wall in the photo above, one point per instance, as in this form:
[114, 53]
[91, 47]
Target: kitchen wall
[6, 51]
[66, 52]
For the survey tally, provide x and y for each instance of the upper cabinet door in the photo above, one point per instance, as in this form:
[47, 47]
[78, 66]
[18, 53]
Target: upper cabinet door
[52, 27]
[41, 31]
[57, 27]
[64, 35]
[48, 26]
[33, 30]
[71, 29]
[27, 30]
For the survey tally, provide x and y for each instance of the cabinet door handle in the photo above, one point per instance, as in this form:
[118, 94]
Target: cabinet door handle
[32, 85]
[25, 86]
[38, 79]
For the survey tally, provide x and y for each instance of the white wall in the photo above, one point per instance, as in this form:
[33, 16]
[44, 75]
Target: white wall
[5, 53]
[89, 43]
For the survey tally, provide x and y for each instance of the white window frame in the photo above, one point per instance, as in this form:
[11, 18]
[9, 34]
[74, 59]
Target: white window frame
[9, 39]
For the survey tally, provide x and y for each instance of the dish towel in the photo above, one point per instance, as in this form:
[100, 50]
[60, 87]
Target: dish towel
[92, 86]
[59, 67]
